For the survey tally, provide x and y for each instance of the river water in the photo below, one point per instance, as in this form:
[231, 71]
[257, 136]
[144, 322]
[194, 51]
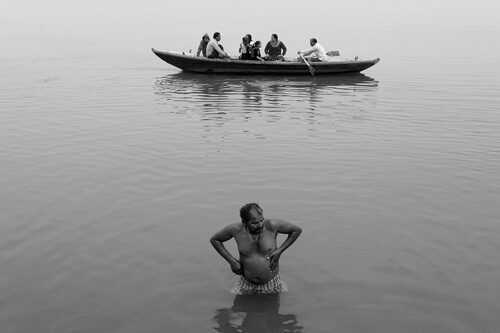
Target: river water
[116, 168]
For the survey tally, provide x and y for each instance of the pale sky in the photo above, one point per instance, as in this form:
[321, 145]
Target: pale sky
[161, 23]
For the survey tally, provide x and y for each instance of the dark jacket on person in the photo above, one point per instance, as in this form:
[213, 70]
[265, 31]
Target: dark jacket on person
[255, 53]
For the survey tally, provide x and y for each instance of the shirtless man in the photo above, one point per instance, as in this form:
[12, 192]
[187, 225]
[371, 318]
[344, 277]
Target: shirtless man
[257, 246]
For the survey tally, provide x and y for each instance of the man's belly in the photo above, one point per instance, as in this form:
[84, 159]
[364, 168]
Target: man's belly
[256, 269]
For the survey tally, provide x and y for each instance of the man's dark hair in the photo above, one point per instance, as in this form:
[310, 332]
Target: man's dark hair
[314, 40]
[245, 210]
[216, 34]
[275, 36]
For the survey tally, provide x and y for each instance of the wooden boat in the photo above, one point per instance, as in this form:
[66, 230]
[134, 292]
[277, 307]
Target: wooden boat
[192, 63]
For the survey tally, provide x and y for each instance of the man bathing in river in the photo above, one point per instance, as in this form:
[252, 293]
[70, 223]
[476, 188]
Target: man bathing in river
[259, 255]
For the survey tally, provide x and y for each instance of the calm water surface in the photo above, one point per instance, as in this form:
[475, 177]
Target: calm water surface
[116, 168]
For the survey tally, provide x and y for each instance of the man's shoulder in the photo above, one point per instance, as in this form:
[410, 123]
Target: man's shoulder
[279, 225]
[272, 223]
[235, 228]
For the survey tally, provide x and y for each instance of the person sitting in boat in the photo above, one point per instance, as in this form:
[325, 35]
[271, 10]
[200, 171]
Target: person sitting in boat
[245, 49]
[249, 40]
[274, 48]
[255, 53]
[202, 48]
[317, 51]
[214, 49]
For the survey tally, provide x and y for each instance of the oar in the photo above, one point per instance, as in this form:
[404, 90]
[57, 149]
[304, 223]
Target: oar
[311, 69]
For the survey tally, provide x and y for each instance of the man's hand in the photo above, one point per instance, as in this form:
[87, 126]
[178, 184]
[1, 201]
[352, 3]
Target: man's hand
[236, 267]
[274, 259]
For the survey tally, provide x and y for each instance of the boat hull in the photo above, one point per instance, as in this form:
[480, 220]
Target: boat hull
[190, 63]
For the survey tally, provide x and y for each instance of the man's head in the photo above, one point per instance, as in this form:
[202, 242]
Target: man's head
[313, 41]
[252, 218]
[274, 37]
[217, 35]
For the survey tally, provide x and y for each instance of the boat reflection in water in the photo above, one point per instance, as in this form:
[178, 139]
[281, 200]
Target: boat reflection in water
[312, 103]
[255, 92]
[255, 313]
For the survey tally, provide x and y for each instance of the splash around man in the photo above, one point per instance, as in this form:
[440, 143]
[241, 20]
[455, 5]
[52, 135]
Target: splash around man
[259, 255]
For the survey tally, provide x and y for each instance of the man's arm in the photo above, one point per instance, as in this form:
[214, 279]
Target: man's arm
[218, 49]
[217, 241]
[307, 52]
[283, 227]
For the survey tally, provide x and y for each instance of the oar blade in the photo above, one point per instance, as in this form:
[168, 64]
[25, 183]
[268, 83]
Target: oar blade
[333, 53]
[311, 69]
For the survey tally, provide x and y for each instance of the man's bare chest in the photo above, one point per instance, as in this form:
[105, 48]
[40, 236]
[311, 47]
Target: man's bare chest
[261, 244]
